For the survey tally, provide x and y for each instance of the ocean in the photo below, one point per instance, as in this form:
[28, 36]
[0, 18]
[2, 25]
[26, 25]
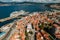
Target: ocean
[5, 11]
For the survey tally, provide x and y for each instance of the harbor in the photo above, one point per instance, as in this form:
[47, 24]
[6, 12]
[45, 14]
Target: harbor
[13, 27]
[14, 15]
[29, 21]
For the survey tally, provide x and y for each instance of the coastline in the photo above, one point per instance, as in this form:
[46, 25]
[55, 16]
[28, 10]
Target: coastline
[17, 16]
[34, 13]
[5, 4]
[54, 6]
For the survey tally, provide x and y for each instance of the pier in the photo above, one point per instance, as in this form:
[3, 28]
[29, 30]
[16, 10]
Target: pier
[8, 18]
[15, 14]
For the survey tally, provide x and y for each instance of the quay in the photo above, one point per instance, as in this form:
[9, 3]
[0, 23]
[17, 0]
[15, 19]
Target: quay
[15, 14]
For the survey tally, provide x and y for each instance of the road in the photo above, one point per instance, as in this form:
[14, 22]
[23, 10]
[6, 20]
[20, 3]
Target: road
[12, 30]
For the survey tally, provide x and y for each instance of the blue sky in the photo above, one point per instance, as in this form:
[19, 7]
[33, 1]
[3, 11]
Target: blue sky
[56, 1]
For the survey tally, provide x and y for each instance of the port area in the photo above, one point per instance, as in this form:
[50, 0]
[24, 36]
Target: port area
[9, 29]
[5, 19]
[15, 14]
[30, 25]
[5, 29]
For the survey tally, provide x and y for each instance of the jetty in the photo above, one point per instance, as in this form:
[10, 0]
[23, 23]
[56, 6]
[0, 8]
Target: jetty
[14, 15]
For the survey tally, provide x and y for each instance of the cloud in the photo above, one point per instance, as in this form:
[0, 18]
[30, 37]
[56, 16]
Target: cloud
[18, 0]
[47, 1]
[41, 1]
[6, 0]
